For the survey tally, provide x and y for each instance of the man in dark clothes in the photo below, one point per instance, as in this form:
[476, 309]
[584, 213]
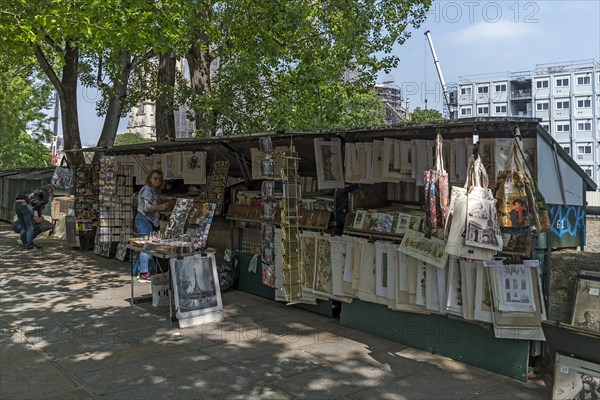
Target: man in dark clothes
[27, 205]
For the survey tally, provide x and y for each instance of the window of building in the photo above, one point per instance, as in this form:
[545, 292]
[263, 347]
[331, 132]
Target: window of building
[483, 89]
[585, 103]
[500, 109]
[465, 111]
[483, 110]
[501, 88]
[588, 172]
[583, 80]
[562, 105]
[563, 127]
[542, 106]
[465, 90]
[584, 126]
[541, 84]
[546, 127]
[567, 149]
[584, 149]
[562, 82]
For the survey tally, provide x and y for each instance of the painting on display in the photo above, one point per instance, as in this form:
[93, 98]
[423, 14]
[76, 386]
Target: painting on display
[179, 216]
[328, 158]
[586, 311]
[195, 286]
[575, 379]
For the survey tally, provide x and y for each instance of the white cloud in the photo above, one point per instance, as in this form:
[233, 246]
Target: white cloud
[490, 32]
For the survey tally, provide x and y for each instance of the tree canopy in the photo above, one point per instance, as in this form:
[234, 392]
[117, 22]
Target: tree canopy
[429, 115]
[252, 65]
[23, 97]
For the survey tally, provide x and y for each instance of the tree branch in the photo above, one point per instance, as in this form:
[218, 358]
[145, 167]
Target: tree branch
[47, 68]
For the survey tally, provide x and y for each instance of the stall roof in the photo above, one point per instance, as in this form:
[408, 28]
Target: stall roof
[236, 149]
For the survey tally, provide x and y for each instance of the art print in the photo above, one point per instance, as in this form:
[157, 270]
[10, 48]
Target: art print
[403, 223]
[575, 379]
[454, 303]
[391, 163]
[516, 288]
[194, 167]
[179, 216]
[483, 305]
[195, 286]
[359, 219]
[586, 311]
[429, 250]
[172, 165]
[328, 159]
[323, 275]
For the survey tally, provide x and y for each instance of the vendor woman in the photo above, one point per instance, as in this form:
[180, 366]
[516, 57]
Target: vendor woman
[147, 219]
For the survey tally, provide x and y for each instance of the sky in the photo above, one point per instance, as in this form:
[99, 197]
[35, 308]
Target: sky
[470, 38]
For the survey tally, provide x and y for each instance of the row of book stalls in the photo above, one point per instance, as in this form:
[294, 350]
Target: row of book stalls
[439, 236]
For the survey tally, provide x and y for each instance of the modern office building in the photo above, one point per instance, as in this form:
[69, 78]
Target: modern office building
[564, 96]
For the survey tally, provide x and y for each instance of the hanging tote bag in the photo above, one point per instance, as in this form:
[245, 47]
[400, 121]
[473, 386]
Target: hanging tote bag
[540, 219]
[455, 228]
[436, 190]
[511, 193]
[482, 228]
[63, 176]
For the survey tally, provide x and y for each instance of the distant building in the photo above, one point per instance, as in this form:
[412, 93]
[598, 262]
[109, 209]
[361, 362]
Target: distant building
[565, 96]
[391, 96]
[142, 119]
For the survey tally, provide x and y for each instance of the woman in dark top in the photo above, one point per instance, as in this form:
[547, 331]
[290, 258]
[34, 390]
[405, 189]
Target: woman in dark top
[27, 204]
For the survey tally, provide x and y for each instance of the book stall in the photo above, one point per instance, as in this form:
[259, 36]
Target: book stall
[436, 236]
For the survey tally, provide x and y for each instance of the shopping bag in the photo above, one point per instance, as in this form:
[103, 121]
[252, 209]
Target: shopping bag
[436, 190]
[45, 225]
[456, 225]
[511, 192]
[160, 289]
[63, 176]
[482, 228]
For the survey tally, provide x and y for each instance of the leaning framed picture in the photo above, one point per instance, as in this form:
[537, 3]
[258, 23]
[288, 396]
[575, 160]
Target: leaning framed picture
[575, 379]
[328, 159]
[196, 290]
[586, 309]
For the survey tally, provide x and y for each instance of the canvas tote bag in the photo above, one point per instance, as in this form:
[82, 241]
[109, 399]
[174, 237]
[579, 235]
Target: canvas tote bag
[436, 190]
[63, 176]
[455, 227]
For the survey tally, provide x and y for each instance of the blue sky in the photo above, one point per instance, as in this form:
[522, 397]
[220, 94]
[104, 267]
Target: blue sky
[470, 37]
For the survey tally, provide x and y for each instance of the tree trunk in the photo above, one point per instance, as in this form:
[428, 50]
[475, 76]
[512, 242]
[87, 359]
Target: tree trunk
[115, 106]
[199, 60]
[68, 110]
[165, 116]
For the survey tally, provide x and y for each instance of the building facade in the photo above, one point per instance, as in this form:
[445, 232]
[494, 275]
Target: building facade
[564, 96]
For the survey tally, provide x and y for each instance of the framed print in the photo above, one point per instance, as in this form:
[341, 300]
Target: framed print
[328, 159]
[265, 145]
[196, 290]
[403, 223]
[575, 379]
[586, 310]
[359, 219]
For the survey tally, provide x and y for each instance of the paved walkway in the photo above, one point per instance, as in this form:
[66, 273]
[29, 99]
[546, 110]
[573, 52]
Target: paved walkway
[67, 332]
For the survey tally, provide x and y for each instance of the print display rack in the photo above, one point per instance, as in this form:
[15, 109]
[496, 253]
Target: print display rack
[216, 185]
[115, 198]
[293, 267]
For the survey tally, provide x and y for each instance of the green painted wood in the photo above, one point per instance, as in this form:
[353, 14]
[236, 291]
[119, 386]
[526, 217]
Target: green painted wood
[251, 282]
[437, 334]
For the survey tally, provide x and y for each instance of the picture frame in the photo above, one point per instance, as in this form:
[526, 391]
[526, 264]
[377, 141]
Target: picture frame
[586, 304]
[194, 167]
[196, 290]
[328, 159]
[575, 379]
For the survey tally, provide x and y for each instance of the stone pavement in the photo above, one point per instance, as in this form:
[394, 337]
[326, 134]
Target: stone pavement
[67, 332]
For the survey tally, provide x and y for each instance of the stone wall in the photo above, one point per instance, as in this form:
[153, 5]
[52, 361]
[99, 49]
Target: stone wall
[565, 266]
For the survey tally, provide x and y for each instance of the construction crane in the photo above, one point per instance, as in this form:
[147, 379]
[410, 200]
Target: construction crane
[440, 75]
